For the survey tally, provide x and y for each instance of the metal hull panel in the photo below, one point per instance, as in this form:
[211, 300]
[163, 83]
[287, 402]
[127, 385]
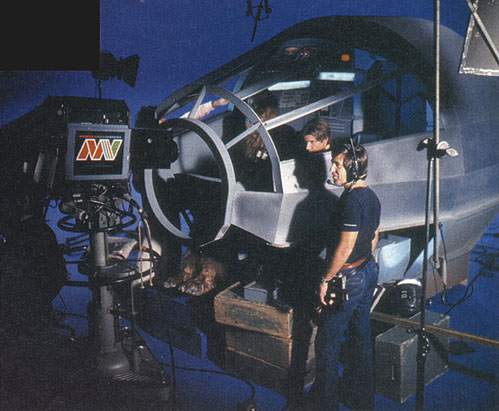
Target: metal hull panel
[301, 202]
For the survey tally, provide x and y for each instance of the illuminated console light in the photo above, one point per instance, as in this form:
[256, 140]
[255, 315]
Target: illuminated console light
[290, 50]
[336, 76]
[290, 85]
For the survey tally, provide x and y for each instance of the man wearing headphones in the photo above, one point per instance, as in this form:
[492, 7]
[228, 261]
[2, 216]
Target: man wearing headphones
[347, 287]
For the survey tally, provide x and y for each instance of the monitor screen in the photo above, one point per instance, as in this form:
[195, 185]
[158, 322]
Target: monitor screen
[97, 152]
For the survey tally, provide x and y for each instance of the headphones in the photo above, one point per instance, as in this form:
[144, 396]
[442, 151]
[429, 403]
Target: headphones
[353, 170]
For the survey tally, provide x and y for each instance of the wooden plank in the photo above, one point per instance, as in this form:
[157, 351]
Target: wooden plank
[431, 329]
[283, 380]
[232, 309]
[284, 352]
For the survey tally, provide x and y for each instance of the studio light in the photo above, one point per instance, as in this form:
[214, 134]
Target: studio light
[123, 69]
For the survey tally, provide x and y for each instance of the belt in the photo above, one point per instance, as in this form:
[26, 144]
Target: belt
[353, 265]
[357, 266]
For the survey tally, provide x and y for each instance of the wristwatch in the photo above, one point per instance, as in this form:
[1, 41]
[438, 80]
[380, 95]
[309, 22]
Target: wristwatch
[324, 281]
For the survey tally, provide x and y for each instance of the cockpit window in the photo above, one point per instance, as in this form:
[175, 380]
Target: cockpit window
[375, 99]
[259, 110]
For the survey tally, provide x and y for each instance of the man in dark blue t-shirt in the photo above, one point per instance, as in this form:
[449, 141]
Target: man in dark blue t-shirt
[355, 230]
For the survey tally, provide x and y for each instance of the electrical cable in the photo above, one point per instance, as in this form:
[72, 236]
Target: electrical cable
[153, 268]
[143, 249]
[64, 314]
[444, 292]
[172, 357]
[153, 261]
[174, 369]
[67, 314]
[433, 269]
[486, 263]
[465, 295]
[249, 383]
[63, 303]
[64, 224]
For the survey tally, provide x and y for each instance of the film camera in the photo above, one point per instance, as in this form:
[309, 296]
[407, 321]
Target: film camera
[69, 143]
[82, 151]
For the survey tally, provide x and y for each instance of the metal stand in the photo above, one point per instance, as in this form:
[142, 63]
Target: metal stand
[121, 359]
[435, 150]
[423, 342]
[103, 314]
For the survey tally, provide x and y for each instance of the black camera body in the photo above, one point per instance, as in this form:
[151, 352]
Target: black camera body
[336, 295]
[77, 141]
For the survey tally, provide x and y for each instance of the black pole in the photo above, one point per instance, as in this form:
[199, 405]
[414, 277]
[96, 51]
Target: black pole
[423, 346]
[436, 137]
[433, 163]
[257, 19]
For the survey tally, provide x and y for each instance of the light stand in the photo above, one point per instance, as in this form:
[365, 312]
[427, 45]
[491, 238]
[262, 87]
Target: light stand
[122, 69]
[262, 6]
[435, 150]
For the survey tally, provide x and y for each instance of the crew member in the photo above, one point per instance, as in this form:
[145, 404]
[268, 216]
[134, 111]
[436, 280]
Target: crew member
[317, 135]
[253, 167]
[355, 229]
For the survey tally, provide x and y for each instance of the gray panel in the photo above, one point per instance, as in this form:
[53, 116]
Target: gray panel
[393, 257]
[397, 171]
[480, 55]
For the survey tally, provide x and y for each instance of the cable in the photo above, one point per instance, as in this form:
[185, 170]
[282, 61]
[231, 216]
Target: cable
[63, 303]
[465, 295]
[443, 297]
[172, 356]
[73, 315]
[250, 385]
[143, 222]
[487, 262]
[153, 255]
[173, 367]
[78, 226]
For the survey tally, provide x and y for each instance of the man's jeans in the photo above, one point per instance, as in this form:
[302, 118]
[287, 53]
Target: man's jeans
[357, 384]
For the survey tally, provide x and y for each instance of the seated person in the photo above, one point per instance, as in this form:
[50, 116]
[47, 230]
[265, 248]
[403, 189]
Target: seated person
[205, 109]
[317, 135]
[250, 157]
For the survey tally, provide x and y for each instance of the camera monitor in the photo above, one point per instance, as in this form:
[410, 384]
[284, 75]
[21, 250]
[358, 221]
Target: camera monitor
[97, 152]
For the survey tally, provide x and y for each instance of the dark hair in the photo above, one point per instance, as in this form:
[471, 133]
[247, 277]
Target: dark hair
[360, 154]
[263, 101]
[318, 127]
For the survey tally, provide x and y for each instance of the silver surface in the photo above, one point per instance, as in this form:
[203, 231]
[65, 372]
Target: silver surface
[301, 201]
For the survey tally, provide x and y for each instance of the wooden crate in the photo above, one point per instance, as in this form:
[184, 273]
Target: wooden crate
[283, 352]
[286, 381]
[233, 310]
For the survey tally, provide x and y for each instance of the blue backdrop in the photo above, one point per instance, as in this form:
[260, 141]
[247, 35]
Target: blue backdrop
[180, 41]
